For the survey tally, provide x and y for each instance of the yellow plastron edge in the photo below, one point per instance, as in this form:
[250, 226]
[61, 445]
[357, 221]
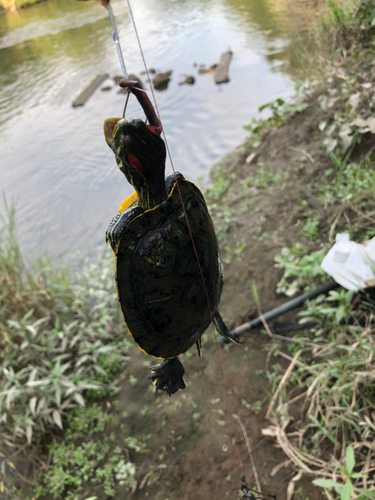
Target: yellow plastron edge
[128, 202]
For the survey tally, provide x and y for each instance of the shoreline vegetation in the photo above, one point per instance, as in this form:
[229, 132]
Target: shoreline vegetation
[13, 5]
[63, 350]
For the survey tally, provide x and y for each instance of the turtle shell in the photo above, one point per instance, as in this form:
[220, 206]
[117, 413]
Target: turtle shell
[159, 283]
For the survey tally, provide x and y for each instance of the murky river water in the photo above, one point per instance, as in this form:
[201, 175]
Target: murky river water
[54, 162]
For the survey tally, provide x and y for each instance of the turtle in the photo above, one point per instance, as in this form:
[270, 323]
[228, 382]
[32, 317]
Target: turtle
[169, 274]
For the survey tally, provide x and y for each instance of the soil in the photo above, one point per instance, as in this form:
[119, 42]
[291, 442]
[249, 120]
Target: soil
[194, 425]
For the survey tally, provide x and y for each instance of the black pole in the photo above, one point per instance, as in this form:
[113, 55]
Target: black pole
[288, 306]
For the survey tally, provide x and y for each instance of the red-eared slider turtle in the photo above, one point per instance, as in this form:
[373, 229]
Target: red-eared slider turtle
[159, 282]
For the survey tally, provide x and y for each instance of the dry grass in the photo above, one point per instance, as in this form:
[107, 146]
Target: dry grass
[22, 289]
[338, 411]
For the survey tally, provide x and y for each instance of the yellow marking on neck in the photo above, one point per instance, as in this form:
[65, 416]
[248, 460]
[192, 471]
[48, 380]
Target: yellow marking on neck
[128, 202]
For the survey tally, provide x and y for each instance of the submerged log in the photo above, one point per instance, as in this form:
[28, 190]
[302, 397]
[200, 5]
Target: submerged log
[221, 70]
[87, 93]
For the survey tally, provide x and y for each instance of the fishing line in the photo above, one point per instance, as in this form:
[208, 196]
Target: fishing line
[229, 409]
[126, 104]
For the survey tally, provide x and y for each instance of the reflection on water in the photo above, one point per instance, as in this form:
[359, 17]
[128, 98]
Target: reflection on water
[54, 160]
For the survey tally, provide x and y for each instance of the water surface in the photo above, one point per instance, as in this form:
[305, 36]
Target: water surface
[53, 158]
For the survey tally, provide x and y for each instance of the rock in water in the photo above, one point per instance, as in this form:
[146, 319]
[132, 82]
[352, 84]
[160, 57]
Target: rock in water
[162, 80]
[221, 70]
[190, 80]
[117, 79]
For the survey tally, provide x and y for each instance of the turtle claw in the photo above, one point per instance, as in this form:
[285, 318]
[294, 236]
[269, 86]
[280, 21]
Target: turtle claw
[168, 376]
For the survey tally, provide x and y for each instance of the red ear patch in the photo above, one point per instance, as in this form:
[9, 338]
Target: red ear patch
[134, 162]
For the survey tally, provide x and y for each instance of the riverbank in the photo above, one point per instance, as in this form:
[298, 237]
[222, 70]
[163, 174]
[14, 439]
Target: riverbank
[297, 181]
[13, 5]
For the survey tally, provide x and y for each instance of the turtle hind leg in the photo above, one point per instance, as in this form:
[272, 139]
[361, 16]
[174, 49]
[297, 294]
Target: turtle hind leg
[168, 376]
[222, 328]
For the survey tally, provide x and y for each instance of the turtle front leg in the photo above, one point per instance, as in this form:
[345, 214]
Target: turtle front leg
[118, 225]
[168, 375]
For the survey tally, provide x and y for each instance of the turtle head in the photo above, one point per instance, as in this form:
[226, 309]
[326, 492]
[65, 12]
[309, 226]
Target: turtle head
[140, 155]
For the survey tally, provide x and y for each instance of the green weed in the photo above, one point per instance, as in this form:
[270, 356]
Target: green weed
[302, 271]
[351, 188]
[85, 458]
[309, 229]
[256, 407]
[62, 345]
[274, 375]
[347, 489]
[338, 381]
[219, 184]
[280, 112]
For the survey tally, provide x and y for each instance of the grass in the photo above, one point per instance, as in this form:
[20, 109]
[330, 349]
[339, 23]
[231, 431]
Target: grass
[301, 270]
[350, 186]
[279, 111]
[322, 407]
[336, 385]
[334, 378]
[62, 347]
[61, 341]
[89, 457]
[331, 367]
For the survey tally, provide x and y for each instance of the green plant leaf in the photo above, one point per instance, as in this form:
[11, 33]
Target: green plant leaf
[325, 483]
[346, 492]
[57, 418]
[365, 493]
[350, 459]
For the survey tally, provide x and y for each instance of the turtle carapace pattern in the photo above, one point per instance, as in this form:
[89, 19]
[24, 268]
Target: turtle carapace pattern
[159, 282]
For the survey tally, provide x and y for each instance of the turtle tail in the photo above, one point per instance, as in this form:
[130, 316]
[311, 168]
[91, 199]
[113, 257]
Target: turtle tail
[168, 376]
[222, 328]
